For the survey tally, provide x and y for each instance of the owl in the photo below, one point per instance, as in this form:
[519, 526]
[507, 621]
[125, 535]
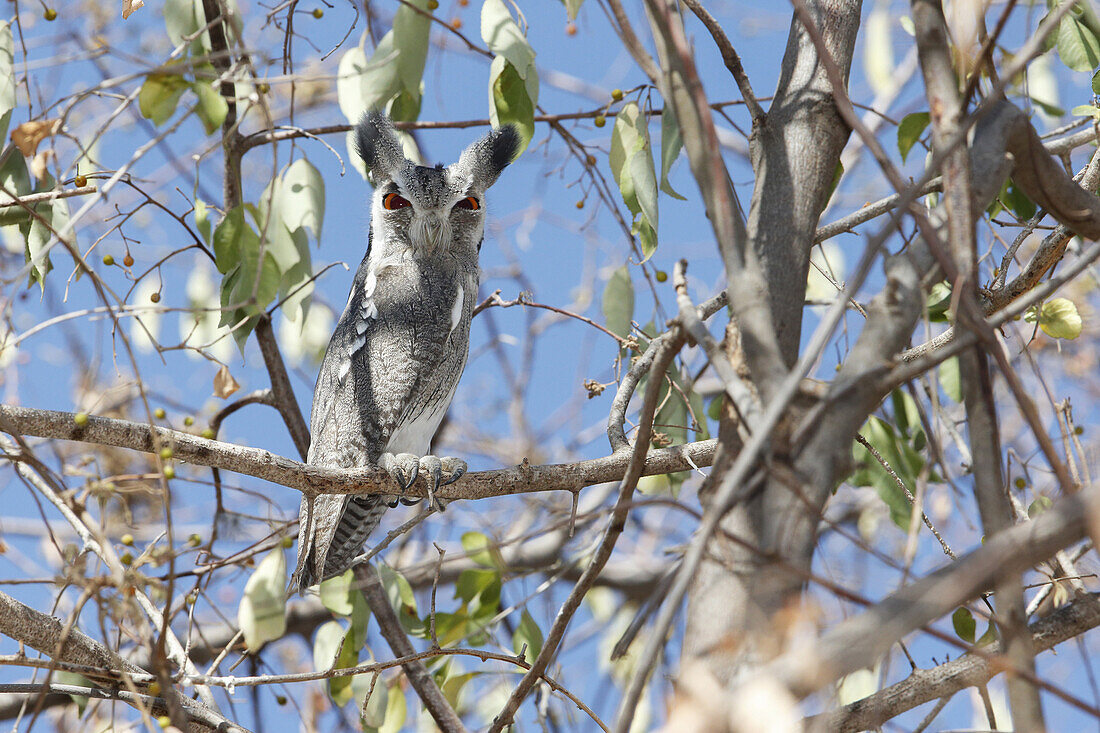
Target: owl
[397, 353]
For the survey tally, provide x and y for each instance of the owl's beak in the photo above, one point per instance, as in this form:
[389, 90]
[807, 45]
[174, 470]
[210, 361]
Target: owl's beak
[434, 230]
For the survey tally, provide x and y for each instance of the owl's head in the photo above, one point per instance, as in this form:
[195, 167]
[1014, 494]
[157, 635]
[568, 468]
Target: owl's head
[423, 209]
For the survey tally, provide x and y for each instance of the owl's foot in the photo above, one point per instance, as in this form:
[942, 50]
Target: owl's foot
[405, 467]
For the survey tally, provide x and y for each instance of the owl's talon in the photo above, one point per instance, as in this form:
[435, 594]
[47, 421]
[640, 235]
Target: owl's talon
[399, 466]
[454, 468]
[433, 467]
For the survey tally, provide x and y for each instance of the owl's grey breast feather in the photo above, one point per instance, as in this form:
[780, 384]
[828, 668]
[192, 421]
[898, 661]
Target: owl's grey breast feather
[400, 346]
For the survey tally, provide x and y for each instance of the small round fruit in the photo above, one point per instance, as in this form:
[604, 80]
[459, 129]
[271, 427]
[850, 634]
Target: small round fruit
[159, 413]
[281, 699]
[108, 260]
[1078, 430]
[433, 4]
[288, 542]
[164, 721]
[208, 433]
[318, 13]
[580, 204]
[154, 297]
[617, 94]
[188, 421]
[127, 558]
[263, 88]
[169, 473]
[456, 23]
[195, 540]
[127, 539]
[662, 276]
[600, 121]
[81, 419]
[191, 598]
[590, 159]
[166, 453]
[128, 260]
[463, 3]
[570, 29]
[154, 688]
[80, 181]
[50, 14]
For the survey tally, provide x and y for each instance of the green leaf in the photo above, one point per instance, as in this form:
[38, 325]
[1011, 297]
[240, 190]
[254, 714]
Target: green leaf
[838, 173]
[909, 131]
[938, 302]
[302, 198]
[965, 626]
[184, 18]
[77, 680]
[627, 138]
[1077, 45]
[38, 232]
[1060, 319]
[1095, 81]
[396, 711]
[1086, 110]
[645, 185]
[510, 100]
[902, 458]
[374, 716]
[229, 236]
[1017, 202]
[410, 37]
[212, 107]
[7, 78]
[202, 219]
[529, 633]
[504, 38]
[159, 96]
[14, 177]
[479, 548]
[950, 379]
[402, 599]
[336, 594]
[349, 82]
[671, 145]
[333, 649]
[1039, 506]
[262, 611]
[906, 24]
[572, 7]
[480, 592]
[618, 302]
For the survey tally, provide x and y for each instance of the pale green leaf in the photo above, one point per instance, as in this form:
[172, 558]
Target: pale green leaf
[479, 548]
[335, 594]
[906, 24]
[262, 611]
[504, 38]
[212, 107]
[302, 198]
[1039, 506]
[618, 302]
[647, 237]
[645, 185]
[381, 79]
[38, 232]
[184, 18]
[229, 235]
[1060, 319]
[327, 645]
[671, 144]
[909, 131]
[396, 711]
[856, 686]
[950, 379]
[1086, 110]
[374, 716]
[202, 219]
[510, 100]
[878, 49]
[349, 82]
[14, 177]
[1078, 46]
[529, 633]
[572, 7]
[159, 96]
[77, 680]
[7, 78]
[410, 35]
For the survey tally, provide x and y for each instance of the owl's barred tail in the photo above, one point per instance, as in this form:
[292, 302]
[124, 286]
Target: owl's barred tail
[360, 516]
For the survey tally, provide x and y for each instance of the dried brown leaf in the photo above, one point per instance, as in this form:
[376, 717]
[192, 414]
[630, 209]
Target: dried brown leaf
[130, 6]
[224, 383]
[28, 135]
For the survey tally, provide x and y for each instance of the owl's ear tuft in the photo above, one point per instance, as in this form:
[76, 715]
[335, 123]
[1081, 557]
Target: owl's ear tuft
[484, 160]
[378, 146]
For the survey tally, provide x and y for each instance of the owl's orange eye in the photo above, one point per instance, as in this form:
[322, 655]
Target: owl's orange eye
[468, 203]
[393, 201]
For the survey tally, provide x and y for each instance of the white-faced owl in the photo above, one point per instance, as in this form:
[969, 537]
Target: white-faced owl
[398, 351]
